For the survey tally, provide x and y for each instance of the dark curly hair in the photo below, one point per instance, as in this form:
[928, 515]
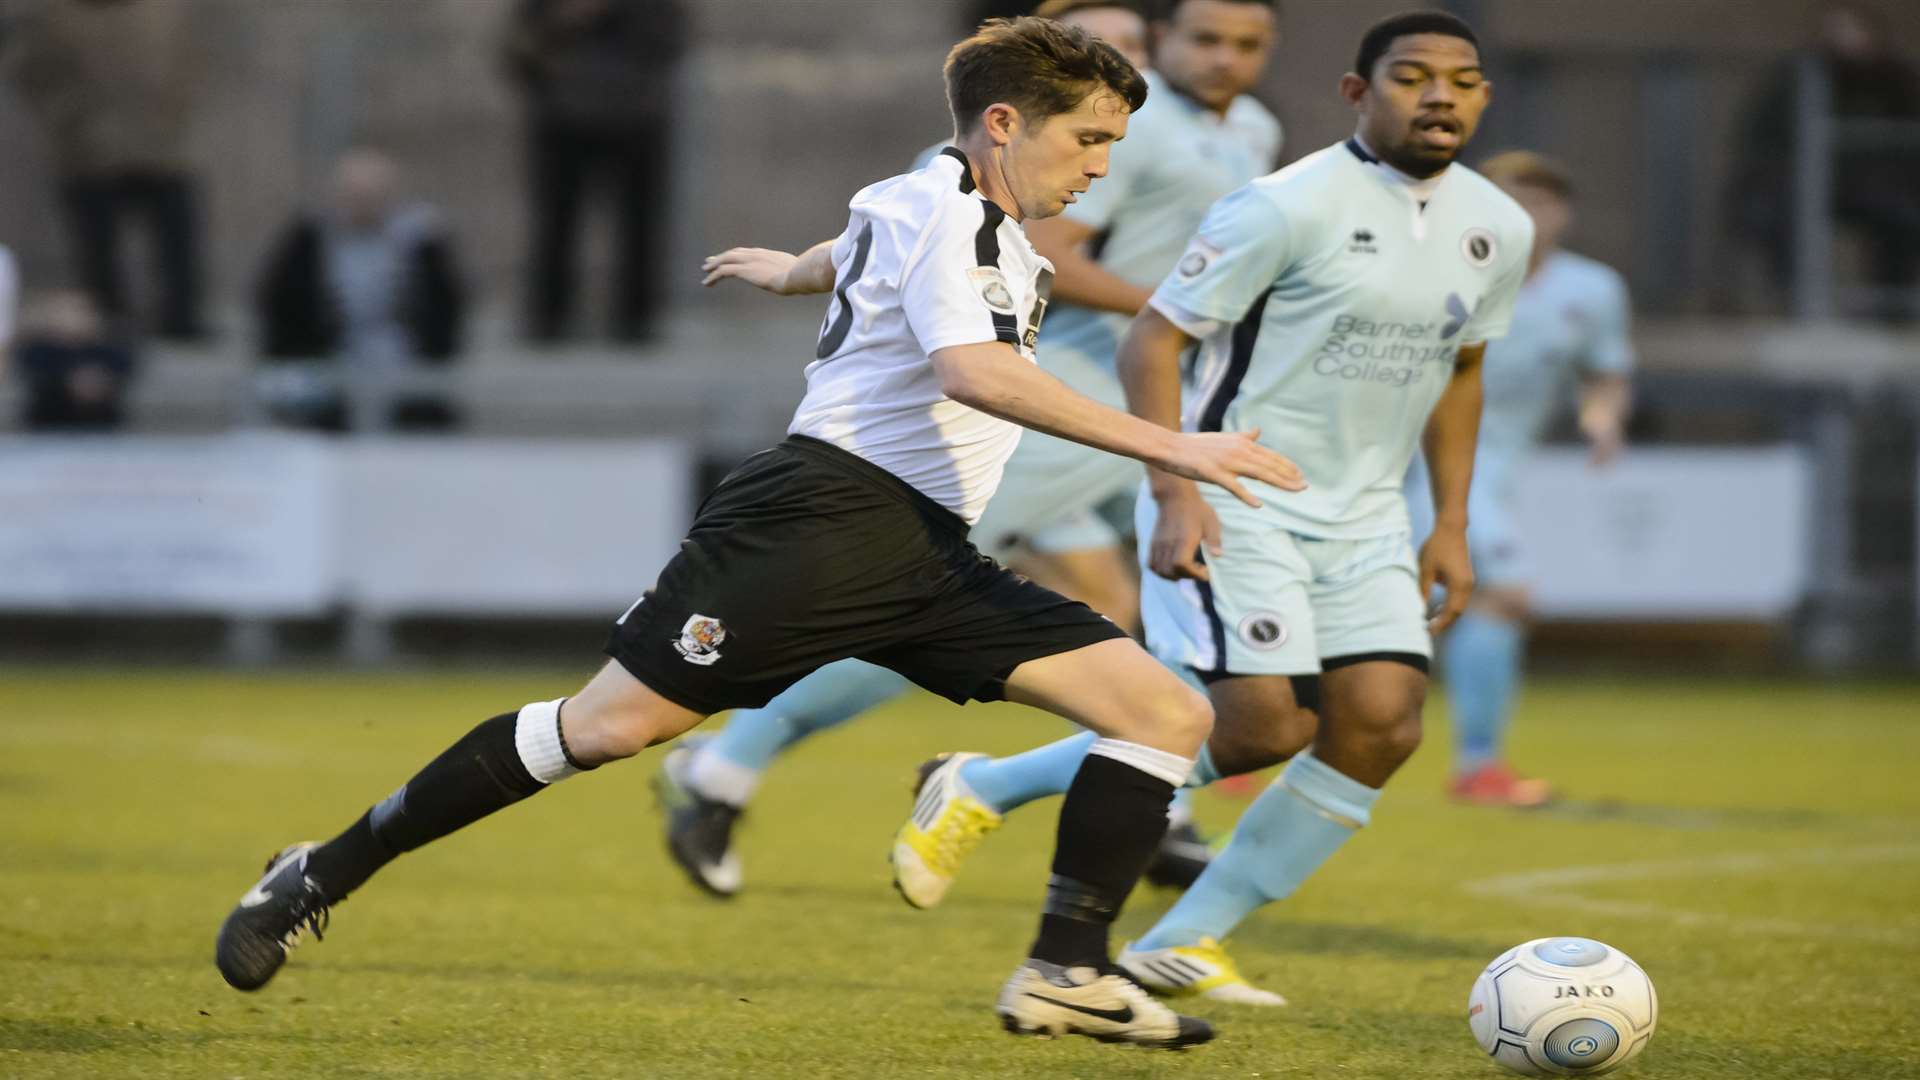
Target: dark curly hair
[1381, 35]
[1041, 67]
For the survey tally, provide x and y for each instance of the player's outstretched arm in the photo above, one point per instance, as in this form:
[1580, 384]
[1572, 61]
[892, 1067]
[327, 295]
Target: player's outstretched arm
[778, 272]
[1452, 432]
[992, 377]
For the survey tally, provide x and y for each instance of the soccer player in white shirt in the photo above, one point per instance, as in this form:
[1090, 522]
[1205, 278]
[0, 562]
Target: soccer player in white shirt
[1199, 136]
[1342, 306]
[849, 539]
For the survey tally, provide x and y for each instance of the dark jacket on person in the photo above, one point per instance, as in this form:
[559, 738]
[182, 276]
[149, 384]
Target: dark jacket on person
[301, 318]
[606, 73]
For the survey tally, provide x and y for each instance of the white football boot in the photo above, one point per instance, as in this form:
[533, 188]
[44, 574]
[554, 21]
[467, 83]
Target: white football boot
[1203, 969]
[1046, 999]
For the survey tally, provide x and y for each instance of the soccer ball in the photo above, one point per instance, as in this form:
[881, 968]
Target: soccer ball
[1563, 1006]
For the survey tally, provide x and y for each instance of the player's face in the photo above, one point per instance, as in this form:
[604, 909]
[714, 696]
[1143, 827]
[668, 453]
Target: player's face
[1050, 165]
[1551, 212]
[1421, 104]
[1125, 30]
[1214, 50]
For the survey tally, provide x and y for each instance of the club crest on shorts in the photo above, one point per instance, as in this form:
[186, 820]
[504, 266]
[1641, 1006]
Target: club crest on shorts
[1478, 246]
[700, 640]
[993, 288]
[1263, 630]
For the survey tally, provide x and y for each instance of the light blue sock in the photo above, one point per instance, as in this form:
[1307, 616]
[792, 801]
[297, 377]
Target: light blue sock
[1010, 782]
[1481, 660]
[827, 698]
[1293, 827]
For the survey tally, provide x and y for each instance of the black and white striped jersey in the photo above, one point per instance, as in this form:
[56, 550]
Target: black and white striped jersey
[924, 264]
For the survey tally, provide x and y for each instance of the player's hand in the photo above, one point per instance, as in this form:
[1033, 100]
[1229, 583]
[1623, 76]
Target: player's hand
[1224, 457]
[1604, 443]
[1186, 525]
[1444, 560]
[762, 268]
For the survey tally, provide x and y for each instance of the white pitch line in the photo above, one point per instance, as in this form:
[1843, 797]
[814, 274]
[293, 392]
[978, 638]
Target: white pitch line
[1559, 888]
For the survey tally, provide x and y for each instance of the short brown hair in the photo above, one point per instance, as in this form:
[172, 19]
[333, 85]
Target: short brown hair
[1524, 168]
[1038, 66]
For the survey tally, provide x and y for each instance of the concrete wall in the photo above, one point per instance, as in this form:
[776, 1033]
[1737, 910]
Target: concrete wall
[794, 104]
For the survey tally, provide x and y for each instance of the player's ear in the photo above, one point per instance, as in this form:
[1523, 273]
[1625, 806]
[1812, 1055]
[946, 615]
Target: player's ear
[1353, 88]
[1001, 122]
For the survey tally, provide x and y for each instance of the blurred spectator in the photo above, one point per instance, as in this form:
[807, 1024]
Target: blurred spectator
[9, 301]
[598, 80]
[1876, 191]
[369, 287]
[76, 372]
[110, 82]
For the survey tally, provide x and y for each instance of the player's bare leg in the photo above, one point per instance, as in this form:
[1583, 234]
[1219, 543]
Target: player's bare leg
[502, 761]
[1259, 722]
[1371, 722]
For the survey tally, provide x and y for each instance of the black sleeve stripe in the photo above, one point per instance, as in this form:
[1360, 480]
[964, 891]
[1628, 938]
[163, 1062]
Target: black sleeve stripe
[986, 250]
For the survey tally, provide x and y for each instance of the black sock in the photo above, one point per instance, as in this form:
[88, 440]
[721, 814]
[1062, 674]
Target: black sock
[1112, 820]
[474, 777]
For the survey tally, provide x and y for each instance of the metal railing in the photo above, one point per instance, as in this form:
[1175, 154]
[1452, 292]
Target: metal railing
[1820, 138]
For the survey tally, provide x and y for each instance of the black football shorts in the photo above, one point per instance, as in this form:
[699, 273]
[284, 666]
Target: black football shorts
[807, 554]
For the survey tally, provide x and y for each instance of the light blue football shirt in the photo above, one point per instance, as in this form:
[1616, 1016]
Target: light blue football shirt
[1330, 304]
[1572, 320]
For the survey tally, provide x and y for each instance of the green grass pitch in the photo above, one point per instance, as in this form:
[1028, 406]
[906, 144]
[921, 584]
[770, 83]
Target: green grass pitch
[1753, 846]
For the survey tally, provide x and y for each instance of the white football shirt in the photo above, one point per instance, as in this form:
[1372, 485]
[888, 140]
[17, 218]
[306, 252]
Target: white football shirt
[925, 263]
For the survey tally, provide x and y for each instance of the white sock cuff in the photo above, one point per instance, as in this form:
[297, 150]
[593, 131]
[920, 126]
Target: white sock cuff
[1155, 763]
[715, 776]
[536, 735]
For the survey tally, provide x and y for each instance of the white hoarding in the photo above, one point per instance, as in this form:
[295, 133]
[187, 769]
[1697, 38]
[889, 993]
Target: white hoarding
[238, 525]
[561, 527]
[1668, 533]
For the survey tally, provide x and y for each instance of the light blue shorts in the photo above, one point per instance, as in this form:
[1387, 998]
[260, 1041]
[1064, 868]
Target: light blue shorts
[1278, 603]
